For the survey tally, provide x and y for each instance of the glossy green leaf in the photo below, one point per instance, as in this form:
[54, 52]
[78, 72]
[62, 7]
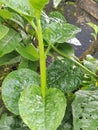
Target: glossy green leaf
[6, 122]
[56, 2]
[13, 17]
[10, 58]
[5, 14]
[38, 5]
[1, 20]
[11, 123]
[57, 16]
[85, 110]
[65, 75]
[24, 63]
[57, 32]
[94, 26]
[91, 63]
[26, 38]
[54, 17]
[29, 52]
[9, 42]
[66, 49]
[18, 20]
[20, 6]
[14, 84]
[18, 124]
[42, 113]
[67, 122]
[3, 31]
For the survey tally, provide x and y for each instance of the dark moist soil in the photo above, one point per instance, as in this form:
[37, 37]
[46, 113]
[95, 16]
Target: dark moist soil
[76, 16]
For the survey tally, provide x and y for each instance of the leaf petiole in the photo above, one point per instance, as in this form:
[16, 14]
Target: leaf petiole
[75, 61]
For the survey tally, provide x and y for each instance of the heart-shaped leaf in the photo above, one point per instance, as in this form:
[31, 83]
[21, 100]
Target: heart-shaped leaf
[57, 32]
[14, 84]
[42, 113]
[65, 75]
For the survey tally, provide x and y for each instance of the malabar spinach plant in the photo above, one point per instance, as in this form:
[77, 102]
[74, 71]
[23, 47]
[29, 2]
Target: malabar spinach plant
[43, 110]
[38, 99]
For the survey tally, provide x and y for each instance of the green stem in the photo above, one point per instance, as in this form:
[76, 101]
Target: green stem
[42, 58]
[79, 64]
[48, 49]
[33, 25]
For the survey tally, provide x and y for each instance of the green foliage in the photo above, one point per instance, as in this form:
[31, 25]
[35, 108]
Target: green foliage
[95, 28]
[27, 35]
[85, 110]
[9, 59]
[56, 29]
[3, 31]
[57, 32]
[65, 75]
[38, 5]
[14, 84]
[57, 16]
[9, 42]
[12, 17]
[67, 122]
[26, 52]
[20, 6]
[47, 113]
[91, 63]
[96, 1]
[5, 122]
[66, 49]
[24, 63]
[12, 123]
[5, 14]
[16, 40]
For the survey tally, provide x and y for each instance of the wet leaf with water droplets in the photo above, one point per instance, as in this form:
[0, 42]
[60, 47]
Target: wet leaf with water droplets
[42, 113]
[14, 84]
